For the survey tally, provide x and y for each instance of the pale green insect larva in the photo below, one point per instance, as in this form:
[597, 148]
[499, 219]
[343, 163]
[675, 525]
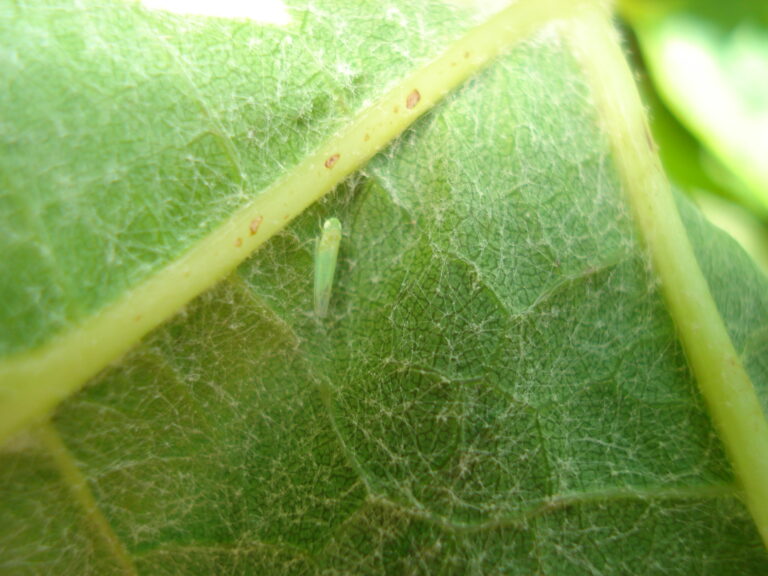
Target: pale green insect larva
[326, 252]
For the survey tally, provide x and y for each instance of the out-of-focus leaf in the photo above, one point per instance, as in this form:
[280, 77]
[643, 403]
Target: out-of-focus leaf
[709, 62]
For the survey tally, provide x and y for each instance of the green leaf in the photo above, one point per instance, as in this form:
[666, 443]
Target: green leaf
[709, 61]
[258, 137]
[504, 382]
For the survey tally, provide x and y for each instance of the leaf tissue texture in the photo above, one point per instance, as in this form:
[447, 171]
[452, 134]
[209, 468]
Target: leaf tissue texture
[497, 387]
[128, 133]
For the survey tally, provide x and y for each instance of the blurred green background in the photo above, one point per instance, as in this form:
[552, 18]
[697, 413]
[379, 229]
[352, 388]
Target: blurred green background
[703, 70]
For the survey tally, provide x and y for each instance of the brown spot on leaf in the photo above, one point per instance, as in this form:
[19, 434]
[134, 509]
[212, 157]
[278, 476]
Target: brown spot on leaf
[412, 100]
[253, 227]
[649, 138]
[366, 137]
[238, 242]
[332, 160]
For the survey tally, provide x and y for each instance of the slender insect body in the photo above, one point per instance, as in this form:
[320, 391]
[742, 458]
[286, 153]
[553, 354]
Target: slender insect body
[326, 253]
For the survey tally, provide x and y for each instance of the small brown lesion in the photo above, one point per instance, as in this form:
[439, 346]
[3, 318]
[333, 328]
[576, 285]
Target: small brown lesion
[366, 137]
[238, 242]
[413, 99]
[253, 227]
[331, 161]
[649, 138]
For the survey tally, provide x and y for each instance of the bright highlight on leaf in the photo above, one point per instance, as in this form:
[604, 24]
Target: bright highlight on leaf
[326, 253]
[265, 11]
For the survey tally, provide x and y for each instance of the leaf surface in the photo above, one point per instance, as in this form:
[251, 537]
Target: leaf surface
[498, 386]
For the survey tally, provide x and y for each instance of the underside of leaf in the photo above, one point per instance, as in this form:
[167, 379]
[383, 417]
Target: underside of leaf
[502, 383]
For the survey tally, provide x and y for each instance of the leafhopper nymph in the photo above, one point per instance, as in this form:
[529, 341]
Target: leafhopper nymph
[326, 252]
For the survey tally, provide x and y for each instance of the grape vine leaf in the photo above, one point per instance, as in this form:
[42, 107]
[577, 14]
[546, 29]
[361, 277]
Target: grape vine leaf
[498, 386]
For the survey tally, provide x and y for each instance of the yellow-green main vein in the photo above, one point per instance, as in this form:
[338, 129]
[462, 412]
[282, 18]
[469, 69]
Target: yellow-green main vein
[730, 396]
[34, 382]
